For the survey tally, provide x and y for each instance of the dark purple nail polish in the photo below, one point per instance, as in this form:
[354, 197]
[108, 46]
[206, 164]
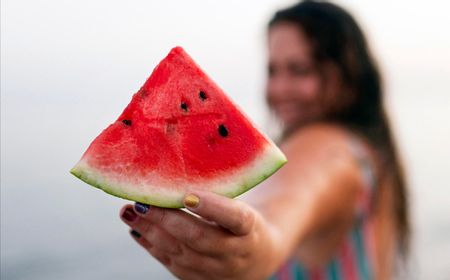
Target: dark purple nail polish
[141, 208]
[135, 234]
[129, 215]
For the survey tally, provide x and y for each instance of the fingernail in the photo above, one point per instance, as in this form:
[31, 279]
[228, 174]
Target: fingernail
[141, 208]
[129, 215]
[135, 234]
[191, 201]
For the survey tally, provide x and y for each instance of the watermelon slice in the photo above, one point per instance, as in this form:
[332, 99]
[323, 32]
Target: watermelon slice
[180, 132]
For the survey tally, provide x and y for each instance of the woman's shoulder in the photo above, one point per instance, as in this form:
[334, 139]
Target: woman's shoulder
[330, 146]
[320, 136]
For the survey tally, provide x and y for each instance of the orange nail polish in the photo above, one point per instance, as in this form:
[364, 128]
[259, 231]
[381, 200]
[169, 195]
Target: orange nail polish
[191, 201]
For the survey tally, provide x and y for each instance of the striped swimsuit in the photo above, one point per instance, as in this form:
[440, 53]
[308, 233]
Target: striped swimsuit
[354, 257]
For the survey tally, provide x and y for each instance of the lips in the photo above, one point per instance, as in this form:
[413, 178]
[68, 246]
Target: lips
[287, 112]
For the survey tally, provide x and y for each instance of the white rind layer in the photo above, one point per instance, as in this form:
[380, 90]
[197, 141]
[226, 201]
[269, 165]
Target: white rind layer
[230, 184]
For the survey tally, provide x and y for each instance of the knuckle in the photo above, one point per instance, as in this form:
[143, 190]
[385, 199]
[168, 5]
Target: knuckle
[142, 227]
[145, 229]
[176, 249]
[245, 220]
[189, 260]
[160, 237]
[253, 238]
[161, 216]
[195, 234]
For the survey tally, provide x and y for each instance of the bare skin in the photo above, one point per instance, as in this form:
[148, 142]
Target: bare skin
[237, 240]
[306, 208]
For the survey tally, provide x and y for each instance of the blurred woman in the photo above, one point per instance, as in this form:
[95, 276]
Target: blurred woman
[324, 85]
[338, 208]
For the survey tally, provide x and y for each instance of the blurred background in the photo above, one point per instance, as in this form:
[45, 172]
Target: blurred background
[68, 68]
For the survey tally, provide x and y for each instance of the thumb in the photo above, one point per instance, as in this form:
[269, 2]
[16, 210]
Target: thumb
[234, 215]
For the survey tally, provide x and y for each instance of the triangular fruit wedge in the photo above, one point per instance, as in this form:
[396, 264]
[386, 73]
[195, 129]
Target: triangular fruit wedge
[180, 132]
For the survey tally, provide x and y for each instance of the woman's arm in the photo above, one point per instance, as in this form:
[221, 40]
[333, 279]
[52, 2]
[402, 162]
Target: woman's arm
[311, 201]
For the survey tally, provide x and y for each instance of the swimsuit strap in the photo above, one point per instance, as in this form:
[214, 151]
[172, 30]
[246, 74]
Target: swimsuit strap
[368, 171]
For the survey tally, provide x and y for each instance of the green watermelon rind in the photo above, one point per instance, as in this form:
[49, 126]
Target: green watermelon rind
[267, 164]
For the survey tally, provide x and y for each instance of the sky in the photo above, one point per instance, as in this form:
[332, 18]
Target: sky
[68, 68]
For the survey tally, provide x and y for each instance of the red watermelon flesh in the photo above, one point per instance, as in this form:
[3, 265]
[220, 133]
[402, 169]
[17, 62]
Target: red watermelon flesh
[180, 132]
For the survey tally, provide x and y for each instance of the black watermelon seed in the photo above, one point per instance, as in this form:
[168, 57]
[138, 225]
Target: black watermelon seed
[184, 106]
[127, 122]
[223, 131]
[202, 95]
[135, 234]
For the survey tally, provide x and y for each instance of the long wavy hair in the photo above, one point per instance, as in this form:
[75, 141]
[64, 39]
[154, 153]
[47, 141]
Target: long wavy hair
[336, 37]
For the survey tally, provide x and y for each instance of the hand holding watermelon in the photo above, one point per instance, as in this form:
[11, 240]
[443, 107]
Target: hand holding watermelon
[224, 242]
[182, 135]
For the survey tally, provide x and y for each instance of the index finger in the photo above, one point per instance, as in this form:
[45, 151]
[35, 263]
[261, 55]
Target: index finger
[234, 215]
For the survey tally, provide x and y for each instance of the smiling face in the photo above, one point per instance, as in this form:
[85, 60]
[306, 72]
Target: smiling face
[298, 90]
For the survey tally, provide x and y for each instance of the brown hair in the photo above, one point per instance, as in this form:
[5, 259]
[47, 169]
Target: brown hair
[337, 38]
